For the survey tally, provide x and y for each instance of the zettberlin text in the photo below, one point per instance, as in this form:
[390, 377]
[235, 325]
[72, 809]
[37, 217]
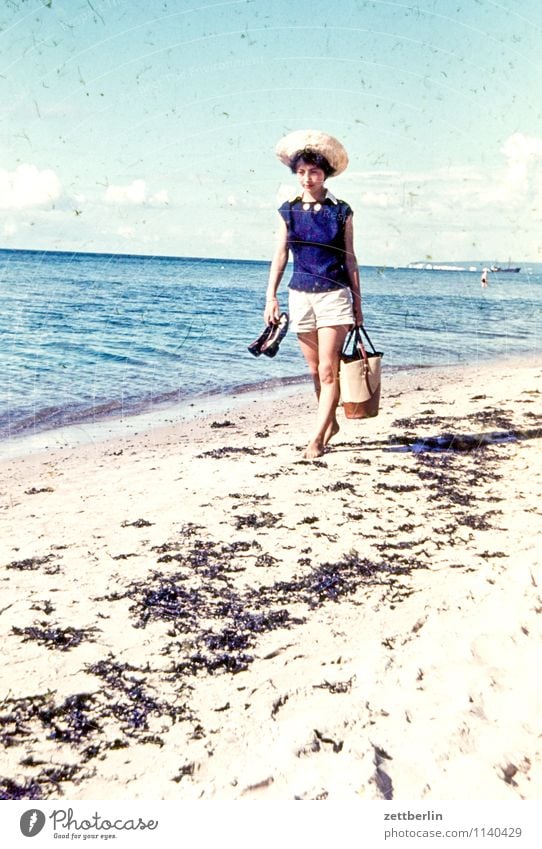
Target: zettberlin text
[409, 815]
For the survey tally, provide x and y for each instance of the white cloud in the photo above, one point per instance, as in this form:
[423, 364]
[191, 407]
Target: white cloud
[418, 190]
[460, 211]
[126, 232]
[247, 201]
[522, 177]
[375, 199]
[226, 238]
[443, 192]
[27, 187]
[160, 198]
[521, 148]
[135, 193]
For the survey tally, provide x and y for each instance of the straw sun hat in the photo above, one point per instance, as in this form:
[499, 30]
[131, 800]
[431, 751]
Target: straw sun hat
[317, 141]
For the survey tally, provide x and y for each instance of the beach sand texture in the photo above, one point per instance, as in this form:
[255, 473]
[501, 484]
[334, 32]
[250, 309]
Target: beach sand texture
[197, 612]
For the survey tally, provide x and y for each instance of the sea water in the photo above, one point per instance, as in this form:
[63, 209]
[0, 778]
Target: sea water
[87, 336]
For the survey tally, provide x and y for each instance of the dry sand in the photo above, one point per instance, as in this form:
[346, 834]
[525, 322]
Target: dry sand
[196, 612]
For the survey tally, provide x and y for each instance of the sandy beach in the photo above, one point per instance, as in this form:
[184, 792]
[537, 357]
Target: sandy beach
[196, 612]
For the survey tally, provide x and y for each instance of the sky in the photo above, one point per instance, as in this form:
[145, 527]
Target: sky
[149, 126]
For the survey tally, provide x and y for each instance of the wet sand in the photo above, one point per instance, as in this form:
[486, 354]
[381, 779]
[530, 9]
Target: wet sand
[196, 612]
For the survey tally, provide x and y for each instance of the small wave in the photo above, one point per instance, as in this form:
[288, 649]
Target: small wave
[51, 417]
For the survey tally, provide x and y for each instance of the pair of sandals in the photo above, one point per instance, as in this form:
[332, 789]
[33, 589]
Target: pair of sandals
[268, 342]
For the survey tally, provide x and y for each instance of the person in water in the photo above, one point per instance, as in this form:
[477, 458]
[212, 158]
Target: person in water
[324, 290]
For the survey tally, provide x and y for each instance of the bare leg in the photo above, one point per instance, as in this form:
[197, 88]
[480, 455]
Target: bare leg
[321, 349]
[309, 348]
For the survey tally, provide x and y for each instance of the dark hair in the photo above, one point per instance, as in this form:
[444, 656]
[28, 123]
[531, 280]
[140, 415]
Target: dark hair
[311, 157]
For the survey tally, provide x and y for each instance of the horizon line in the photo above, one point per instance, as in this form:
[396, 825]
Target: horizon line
[393, 265]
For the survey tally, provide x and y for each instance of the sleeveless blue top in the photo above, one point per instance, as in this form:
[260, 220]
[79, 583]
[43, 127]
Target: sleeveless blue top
[316, 240]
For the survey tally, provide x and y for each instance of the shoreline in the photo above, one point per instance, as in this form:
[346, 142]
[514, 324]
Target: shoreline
[142, 417]
[196, 612]
[158, 413]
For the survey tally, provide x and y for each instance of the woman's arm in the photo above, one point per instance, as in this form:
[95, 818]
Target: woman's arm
[352, 267]
[278, 264]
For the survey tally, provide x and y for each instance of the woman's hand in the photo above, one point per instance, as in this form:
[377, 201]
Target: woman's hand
[271, 312]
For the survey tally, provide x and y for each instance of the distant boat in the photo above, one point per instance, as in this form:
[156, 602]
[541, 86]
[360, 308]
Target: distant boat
[510, 269]
[504, 270]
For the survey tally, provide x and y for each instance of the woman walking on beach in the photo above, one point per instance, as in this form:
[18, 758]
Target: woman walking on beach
[324, 291]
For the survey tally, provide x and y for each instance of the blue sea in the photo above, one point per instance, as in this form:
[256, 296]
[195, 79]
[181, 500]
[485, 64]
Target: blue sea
[87, 336]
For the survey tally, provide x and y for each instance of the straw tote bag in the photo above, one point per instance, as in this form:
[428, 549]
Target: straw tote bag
[359, 376]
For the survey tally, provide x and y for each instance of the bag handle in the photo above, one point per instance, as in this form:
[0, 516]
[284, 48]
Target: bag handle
[373, 349]
[355, 335]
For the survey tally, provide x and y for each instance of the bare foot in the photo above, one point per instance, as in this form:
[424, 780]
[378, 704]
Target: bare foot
[313, 450]
[332, 430]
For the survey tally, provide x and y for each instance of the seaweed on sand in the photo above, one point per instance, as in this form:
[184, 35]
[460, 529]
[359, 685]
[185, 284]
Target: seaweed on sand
[332, 581]
[69, 721]
[88, 724]
[166, 600]
[62, 639]
[339, 486]
[11, 790]
[226, 648]
[222, 622]
[264, 520]
[214, 628]
[138, 523]
[46, 783]
[29, 563]
[229, 451]
[131, 702]
[225, 644]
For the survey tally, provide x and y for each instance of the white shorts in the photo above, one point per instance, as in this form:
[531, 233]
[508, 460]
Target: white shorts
[312, 310]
